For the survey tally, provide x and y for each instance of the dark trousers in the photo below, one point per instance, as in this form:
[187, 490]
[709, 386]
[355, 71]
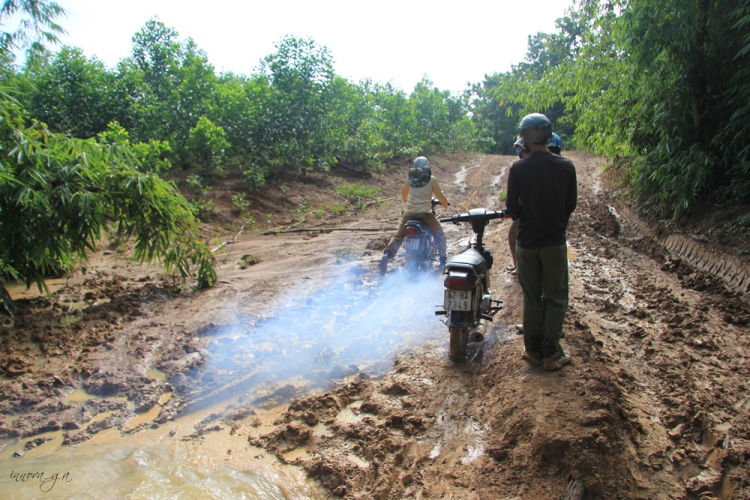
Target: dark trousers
[543, 274]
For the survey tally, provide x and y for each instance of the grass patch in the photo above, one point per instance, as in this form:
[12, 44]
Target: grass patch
[358, 191]
[502, 195]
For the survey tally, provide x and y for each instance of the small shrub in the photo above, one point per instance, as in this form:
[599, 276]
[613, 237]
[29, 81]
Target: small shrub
[195, 185]
[344, 254]
[248, 260]
[284, 189]
[255, 178]
[502, 195]
[319, 213]
[249, 220]
[336, 209]
[239, 202]
[304, 207]
[202, 207]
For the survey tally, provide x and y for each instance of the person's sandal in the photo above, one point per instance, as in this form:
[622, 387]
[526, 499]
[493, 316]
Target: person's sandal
[532, 358]
[557, 361]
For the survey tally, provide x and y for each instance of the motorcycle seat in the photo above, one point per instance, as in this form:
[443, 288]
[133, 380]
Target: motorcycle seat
[418, 224]
[470, 257]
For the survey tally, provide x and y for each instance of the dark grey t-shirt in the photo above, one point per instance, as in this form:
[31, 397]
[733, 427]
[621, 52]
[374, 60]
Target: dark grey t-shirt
[542, 193]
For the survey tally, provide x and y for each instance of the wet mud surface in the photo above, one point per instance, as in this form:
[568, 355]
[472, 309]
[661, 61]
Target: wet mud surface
[324, 364]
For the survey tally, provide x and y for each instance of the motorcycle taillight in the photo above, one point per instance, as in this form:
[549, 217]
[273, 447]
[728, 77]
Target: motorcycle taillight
[460, 281]
[412, 231]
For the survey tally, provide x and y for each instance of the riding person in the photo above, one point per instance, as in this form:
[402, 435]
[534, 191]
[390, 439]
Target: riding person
[542, 193]
[417, 192]
[555, 144]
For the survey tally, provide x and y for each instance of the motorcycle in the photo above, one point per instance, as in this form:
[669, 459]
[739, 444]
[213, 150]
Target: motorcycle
[467, 301]
[419, 246]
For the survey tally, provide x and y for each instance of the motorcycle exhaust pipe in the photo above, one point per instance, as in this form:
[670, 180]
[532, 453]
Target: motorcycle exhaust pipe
[478, 334]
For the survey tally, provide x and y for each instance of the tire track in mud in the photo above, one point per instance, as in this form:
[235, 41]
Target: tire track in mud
[732, 270]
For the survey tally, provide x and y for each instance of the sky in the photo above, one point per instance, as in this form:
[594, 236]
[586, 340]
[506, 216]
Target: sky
[450, 42]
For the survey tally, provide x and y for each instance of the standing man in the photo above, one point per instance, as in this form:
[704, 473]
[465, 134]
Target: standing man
[417, 192]
[542, 193]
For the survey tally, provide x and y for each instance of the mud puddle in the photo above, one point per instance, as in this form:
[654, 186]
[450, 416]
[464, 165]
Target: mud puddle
[168, 461]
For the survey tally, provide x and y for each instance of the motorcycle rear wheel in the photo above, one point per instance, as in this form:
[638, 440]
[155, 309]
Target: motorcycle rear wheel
[459, 339]
[412, 265]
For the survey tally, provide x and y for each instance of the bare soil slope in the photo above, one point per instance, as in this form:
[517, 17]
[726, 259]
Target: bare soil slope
[654, 405]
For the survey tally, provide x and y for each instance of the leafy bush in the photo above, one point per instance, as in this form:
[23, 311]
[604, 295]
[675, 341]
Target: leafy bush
[240, 202]
[254, 178]
[336, 209]
[58, 195]
[151, 157]
[202, 208]
[206, 145]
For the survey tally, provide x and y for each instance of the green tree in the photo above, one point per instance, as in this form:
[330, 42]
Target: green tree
[206, 145]
[71, 94]
[300, 75]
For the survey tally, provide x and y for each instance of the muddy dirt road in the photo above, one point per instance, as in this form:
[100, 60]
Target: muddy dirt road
[304, 355]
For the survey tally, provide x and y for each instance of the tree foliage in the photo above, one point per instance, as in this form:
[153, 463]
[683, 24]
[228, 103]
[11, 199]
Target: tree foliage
[295, 113]
[59, 195]
[663, 83]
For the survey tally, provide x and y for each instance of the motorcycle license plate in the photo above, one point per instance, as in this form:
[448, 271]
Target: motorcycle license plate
[457, 301]
[411, 243]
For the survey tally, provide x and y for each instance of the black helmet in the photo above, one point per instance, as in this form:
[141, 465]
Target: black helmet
[420, 174]
[535, 128]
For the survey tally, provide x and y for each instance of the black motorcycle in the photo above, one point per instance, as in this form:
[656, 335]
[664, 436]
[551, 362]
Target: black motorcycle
[419, 246]
[467, 300]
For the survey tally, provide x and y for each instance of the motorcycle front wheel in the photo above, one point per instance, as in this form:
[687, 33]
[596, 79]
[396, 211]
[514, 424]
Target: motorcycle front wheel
[459, 339]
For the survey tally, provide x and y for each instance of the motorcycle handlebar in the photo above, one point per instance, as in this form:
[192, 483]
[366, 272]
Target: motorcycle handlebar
[468, 217]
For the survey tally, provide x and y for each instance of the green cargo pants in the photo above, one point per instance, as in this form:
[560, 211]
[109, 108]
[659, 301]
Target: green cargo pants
[543, 274]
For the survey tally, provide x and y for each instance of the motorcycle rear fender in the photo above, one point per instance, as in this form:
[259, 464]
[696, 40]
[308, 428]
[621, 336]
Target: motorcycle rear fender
[456, 319]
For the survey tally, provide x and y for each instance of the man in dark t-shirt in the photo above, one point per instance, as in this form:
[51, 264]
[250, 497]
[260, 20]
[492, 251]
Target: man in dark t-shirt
[542, 193]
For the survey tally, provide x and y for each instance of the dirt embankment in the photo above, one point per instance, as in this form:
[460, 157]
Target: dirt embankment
[654, 405]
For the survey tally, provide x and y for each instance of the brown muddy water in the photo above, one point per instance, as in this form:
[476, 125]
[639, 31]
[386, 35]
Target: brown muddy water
[165, 462]
[341, 331]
